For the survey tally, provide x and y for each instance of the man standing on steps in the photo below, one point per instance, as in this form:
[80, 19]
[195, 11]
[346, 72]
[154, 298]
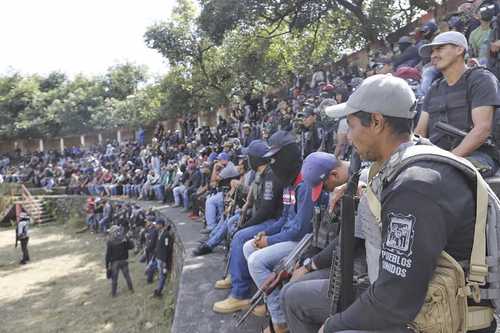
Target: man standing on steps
[23, 237]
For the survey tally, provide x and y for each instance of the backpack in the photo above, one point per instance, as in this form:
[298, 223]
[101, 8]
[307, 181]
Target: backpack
[446, 308]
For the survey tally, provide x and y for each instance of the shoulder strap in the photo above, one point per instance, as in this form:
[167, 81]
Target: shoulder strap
[478, 268]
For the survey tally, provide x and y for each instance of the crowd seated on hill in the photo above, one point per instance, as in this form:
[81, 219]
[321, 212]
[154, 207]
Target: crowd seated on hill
[222, 175]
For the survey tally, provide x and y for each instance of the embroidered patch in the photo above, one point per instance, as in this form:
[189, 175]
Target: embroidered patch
[268, 190]
[288, 197]
[400, 234]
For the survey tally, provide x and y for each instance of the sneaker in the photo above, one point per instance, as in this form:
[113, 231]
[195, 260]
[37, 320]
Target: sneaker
[230, 305]
[202, 249]
[156, 294]
[224, 284]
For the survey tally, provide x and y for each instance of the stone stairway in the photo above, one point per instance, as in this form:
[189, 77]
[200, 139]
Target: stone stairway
[35, 206]
[36, 209]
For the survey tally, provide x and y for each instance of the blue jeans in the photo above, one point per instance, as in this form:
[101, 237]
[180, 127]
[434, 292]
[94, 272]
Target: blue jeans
[238, 267]
[214, 208]
[104, 223]
[261, 264]
[159, 191]
[178, 190]
[486, 161]
[185, 198]
[151, 268]
[220, 231]
[162, 268]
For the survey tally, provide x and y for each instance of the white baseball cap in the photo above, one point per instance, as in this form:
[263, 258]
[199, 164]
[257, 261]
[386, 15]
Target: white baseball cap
[448, 37]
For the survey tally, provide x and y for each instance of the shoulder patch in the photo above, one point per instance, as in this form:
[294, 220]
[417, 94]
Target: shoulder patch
[396, 254]
[400, 234]
[268, 190]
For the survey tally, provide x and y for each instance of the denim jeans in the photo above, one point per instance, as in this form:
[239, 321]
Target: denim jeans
[214, 208]
[483, 159]
[151, 268]
[178, 190]
[162, 269]
[261, 264]
[220, 231]
[159, 191]
[104, 224]
[238, 267]
[185, 198]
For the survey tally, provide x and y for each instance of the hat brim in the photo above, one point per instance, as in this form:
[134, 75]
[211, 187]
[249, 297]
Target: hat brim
[273, 151]
[340, 110]
[426, 50]
[316, 192]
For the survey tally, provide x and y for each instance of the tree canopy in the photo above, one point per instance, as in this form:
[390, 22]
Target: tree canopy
[34, 106]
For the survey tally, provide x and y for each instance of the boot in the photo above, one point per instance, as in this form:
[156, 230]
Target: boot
[230, 305]
[224, 284]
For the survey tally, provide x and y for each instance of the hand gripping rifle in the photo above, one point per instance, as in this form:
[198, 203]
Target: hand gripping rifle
[341, 290]
[458, 135]
[281, 273]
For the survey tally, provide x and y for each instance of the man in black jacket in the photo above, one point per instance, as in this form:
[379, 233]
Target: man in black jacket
[117, 249]
[164, 247]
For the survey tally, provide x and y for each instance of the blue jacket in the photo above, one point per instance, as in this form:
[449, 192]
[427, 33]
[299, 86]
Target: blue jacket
[295, 221]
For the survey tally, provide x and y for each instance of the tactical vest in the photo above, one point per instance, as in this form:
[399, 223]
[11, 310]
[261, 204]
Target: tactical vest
[446, 308]
[258, 188]
[325, 229]
[449, 108]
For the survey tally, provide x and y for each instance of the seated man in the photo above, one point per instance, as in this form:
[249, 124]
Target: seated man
[293, 224]
[319, 170]
[214, 205]
[265, 194]
[420, 212]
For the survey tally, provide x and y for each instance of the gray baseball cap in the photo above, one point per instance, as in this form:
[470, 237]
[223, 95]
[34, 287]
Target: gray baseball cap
[383, 93]
[449, 37]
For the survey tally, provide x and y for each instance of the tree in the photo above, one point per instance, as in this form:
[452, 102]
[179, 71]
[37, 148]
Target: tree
[372, 19]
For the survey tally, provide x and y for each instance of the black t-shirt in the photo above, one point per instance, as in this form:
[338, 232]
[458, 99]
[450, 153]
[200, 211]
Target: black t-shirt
[428, 208]
[453, 104]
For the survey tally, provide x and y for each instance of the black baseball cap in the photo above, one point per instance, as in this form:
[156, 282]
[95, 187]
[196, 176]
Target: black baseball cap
[279, 140]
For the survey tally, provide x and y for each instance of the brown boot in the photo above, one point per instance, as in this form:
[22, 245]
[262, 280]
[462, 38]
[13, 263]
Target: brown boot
[224, 284]
[278, 328]
[230, 305]
[260, 310]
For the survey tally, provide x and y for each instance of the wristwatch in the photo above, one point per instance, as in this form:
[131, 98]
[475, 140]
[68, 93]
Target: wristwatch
[308, 264]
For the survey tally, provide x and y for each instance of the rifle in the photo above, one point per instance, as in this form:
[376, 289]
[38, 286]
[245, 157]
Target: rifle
[281, 273]
[341, 290]
[458, 135]
[229, 236]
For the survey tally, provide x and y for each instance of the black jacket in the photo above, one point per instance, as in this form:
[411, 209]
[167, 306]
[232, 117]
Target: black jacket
[118, 251]
[164, 246]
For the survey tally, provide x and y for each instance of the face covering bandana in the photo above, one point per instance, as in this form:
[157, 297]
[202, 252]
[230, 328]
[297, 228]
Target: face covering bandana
[286, 163]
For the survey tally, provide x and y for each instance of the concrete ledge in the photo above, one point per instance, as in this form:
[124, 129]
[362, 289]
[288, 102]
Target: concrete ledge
[195, 293]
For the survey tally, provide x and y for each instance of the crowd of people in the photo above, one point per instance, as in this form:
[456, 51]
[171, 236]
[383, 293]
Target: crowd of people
[276, 169]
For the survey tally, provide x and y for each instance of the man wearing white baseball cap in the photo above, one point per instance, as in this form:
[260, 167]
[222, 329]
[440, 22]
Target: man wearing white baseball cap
[420, 213]
[465, 98]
